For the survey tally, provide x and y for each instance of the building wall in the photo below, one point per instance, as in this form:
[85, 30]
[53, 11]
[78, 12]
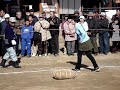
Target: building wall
[69, 6]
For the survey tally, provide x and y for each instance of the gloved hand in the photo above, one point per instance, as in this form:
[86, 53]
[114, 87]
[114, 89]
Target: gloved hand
[13, 42]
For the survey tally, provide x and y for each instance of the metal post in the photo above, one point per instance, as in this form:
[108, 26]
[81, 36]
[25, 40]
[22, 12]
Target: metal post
[99, 8]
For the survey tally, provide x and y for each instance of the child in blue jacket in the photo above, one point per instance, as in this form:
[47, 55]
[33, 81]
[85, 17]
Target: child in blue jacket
[26, 35]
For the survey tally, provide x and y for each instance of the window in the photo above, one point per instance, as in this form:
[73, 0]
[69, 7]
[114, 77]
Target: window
[49, 2]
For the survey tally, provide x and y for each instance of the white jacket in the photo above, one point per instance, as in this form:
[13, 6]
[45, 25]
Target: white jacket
[42, 27]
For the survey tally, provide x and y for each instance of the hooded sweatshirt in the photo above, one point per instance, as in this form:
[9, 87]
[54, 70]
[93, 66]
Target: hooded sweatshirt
[27, 32]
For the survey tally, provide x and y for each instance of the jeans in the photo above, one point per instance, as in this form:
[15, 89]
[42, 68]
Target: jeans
[70, 47]
[10, 53]
[104, 42]
[79, 59]
[26, 43]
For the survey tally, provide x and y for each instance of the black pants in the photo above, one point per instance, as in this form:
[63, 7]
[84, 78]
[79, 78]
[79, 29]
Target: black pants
[115, 46]
[2, 47]
[18, 41]
[37, 41]
[55, 44]
[89, 55]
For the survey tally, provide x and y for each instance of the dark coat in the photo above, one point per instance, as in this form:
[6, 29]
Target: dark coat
[103, 24]
[9, 35]
[56, 22]
[92, 24]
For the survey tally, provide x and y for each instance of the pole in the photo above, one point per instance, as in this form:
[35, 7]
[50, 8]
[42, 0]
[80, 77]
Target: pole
[99, 8]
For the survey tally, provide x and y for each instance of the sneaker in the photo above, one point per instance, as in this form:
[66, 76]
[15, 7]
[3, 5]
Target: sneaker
[40, 55]
[97, 69]
[28, 56]
[76, 70]
[45, 54]
[56, 55]
[33, 55]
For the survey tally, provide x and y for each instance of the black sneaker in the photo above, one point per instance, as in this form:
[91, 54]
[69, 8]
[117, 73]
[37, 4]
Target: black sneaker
[76, 70]
[97, 69]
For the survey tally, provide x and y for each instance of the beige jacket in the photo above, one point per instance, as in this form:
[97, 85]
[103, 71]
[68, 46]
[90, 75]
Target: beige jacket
[42, 27]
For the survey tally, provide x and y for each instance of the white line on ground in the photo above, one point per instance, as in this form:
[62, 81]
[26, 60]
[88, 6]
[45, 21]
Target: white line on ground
[48, 70]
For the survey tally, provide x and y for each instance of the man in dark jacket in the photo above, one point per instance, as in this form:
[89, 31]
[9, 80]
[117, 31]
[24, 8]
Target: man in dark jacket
[54, 24]
[9, 43]
[18, 25]
[92, 33]
[103, 34]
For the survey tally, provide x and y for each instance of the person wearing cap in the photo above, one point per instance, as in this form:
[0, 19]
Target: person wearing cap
[70, 36]
[103, 34]
[83, 23]
[9, 44]
[54, 26]
[18, 25]
[84, 44]
[26, 36]
[41, 28]
[92, 24]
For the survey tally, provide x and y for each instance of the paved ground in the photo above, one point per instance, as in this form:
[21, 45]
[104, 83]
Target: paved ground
[36, 74]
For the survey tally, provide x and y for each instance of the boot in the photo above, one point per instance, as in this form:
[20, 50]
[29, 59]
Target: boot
[15, 64]
[3, 63]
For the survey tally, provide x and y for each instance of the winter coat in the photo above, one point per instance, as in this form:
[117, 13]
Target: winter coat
[42, 27]
[56, 22]
[84, 26]
[9, 35]
[103, 24]
[27, 32]
[92, 25]
[69, 29]
[82, 34]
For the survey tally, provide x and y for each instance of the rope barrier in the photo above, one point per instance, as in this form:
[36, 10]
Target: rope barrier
[88, 29]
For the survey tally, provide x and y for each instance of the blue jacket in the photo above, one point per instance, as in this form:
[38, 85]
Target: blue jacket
[27, 32]
[82, 34]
